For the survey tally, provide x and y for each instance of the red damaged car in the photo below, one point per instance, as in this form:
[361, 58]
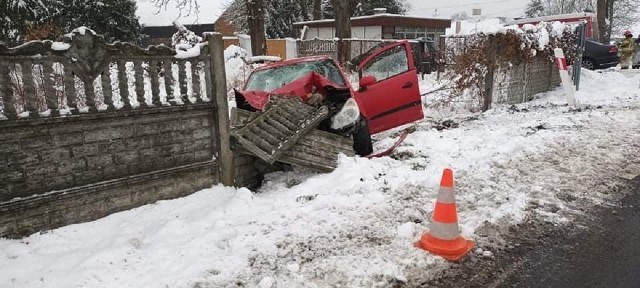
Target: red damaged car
[388, 94]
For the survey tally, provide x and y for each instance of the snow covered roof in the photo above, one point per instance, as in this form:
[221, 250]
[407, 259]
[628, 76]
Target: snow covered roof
[384, 18]
[473, 26]
[551, 18]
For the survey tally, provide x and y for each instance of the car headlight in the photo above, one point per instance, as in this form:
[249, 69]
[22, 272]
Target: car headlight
[349, 114]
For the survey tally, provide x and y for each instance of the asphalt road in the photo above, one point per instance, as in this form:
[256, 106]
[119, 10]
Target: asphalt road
[607, 254]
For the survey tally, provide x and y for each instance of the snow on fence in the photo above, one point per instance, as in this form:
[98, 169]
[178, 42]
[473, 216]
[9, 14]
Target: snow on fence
[84, 74]
[90, 128]
[517, 83]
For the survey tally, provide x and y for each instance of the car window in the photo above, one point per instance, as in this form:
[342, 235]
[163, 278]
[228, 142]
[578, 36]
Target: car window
[388, 64]
[274, 78]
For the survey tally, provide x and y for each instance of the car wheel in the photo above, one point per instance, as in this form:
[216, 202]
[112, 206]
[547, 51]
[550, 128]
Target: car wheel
[362, 143]
[589, 64]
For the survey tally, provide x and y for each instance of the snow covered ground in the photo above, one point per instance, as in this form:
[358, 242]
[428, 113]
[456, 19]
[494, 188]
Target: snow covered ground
[355, 227]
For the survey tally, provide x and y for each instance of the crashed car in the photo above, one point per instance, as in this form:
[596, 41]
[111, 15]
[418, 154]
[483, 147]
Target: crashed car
[386, 96]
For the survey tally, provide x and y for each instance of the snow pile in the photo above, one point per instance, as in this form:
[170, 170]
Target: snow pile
[355, 227]
[185, 51]
[259, 59]
[60, 46]
[236, 69]
[82, 30]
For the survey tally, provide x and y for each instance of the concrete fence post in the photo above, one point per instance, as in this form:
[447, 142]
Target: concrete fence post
[292, 48]
[218, 92]
[490, 51]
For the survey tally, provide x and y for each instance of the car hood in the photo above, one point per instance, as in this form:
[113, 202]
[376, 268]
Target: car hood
[302, 87]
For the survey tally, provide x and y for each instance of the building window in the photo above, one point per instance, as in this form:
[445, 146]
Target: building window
[411, 32]
[416, 32]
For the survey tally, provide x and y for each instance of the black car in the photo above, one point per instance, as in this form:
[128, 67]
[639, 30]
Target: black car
[599, 56]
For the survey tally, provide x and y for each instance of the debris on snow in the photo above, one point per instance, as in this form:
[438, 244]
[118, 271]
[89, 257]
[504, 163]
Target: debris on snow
[266, 282]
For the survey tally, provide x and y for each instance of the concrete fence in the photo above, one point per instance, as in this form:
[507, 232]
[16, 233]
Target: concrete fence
[515, 84]
[89, 128]
[518, 84]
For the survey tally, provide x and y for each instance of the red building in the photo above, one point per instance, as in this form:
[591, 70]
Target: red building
[379, 26]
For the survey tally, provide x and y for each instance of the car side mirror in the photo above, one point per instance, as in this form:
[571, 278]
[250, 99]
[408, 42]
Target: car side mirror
[367, 81]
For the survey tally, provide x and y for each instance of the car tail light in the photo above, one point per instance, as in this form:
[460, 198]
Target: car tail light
[613, 50]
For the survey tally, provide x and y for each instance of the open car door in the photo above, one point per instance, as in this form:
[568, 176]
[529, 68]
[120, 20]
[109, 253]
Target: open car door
[389, 95]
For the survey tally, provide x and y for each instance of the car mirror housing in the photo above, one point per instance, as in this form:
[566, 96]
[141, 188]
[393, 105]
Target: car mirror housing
[367, 81]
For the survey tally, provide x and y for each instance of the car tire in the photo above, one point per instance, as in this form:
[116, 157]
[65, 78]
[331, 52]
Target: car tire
[362, 143]
[588, 64]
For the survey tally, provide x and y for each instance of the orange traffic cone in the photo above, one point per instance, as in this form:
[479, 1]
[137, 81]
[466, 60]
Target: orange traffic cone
[443, 238]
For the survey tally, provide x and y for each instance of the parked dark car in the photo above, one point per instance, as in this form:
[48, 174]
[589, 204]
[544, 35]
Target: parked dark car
[599, 56]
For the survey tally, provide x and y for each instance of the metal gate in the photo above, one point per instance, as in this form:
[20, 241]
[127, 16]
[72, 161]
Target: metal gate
[577, 66]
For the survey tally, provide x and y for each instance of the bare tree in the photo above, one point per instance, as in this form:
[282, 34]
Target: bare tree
[626, 14]
[185, 7]
[343, 28]
[460, 16]
[601, 18]
[317, 9]
[256, 14]
[255, 17]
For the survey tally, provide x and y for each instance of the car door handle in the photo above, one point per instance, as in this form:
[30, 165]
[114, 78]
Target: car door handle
[407, 85]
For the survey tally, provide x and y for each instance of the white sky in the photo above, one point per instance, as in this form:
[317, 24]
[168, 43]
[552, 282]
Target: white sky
[490, 8]
[211, 9]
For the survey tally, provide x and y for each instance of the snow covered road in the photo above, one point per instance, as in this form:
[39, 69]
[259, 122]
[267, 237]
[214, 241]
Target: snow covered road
[355, 227]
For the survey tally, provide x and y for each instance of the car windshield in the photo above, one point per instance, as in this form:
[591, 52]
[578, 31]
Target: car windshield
[274, 78]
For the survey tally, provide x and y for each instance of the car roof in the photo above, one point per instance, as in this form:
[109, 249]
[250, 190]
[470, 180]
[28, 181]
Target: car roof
[293, 61]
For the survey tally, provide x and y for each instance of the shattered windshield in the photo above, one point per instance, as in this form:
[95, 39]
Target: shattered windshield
[274, 78]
